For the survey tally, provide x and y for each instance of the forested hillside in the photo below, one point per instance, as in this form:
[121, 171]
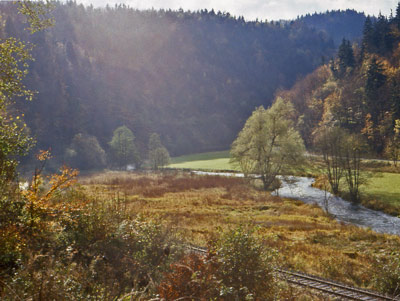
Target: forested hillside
[192, 77]
[337, 24]
[358, 91]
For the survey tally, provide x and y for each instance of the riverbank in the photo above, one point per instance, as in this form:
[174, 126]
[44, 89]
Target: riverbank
[301, 189]
[381, 191]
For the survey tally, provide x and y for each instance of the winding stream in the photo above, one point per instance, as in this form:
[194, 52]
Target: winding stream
[299, 188]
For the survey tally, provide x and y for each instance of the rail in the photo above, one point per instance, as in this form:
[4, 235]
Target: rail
[327, 286]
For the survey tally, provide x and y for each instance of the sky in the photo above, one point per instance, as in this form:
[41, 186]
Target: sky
[261, 9]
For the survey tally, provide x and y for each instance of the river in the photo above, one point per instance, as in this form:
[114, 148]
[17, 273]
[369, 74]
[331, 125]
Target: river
[299, 188]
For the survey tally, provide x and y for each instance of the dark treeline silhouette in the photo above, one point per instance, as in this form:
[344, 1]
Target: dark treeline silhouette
[337, 24]
[192, 77]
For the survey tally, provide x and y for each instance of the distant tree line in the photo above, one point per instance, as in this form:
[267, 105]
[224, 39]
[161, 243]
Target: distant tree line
[337, 24]
[86, 153]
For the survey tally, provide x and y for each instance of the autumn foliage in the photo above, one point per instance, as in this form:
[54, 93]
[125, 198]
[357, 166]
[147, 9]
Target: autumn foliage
[237, 267]
[61, 243]
[192, 277]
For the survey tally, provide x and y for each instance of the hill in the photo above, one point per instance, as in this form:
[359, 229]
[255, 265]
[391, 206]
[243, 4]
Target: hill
[192, 77]
[337, 24]
[358, 91]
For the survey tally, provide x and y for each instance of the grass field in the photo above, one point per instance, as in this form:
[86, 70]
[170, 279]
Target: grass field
[382, 191]
[220, 161]
[385, 186]
[207, 161]
[198, 207]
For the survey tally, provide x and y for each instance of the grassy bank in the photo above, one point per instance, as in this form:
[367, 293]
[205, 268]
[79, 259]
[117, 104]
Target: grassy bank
[198, 207]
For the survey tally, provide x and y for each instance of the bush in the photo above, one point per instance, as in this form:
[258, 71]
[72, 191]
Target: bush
[89, 252]
[244, 267]
[192, 277]
[236, 268]
[387, 278]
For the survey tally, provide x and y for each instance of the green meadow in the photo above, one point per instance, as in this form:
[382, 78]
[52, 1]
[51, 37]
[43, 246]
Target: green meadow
[386, 186]
[382, 192]
[204, 161]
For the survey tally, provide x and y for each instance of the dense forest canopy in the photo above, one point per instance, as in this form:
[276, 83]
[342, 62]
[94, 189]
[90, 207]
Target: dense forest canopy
[358, 91]
[192, 77]
[337, 24]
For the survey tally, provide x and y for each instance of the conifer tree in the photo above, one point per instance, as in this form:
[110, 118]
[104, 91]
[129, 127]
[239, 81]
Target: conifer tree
[395, 98]
[375, 80]
[368, 33]
[396, 19]
[382, 36]
[346, 56]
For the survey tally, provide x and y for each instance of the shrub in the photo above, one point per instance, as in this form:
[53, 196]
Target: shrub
[387, 278]
[236, 268]
[82, 249]
[192, 277]
[244, 267]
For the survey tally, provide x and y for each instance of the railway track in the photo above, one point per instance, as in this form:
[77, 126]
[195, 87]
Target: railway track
[326, 286]
[333, 288]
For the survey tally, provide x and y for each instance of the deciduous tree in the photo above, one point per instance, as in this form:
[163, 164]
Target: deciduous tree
[14, 136]
[354, 148]
[158, 154]
[392, 148]
[268, 144]
[85, 152]
[14, 56]
[123, 148]
[329, 141]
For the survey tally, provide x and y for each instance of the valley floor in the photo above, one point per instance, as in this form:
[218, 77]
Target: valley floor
[380, 192]
[196, 208]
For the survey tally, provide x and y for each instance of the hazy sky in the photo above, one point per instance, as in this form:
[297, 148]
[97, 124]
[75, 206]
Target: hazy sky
[262, 9]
